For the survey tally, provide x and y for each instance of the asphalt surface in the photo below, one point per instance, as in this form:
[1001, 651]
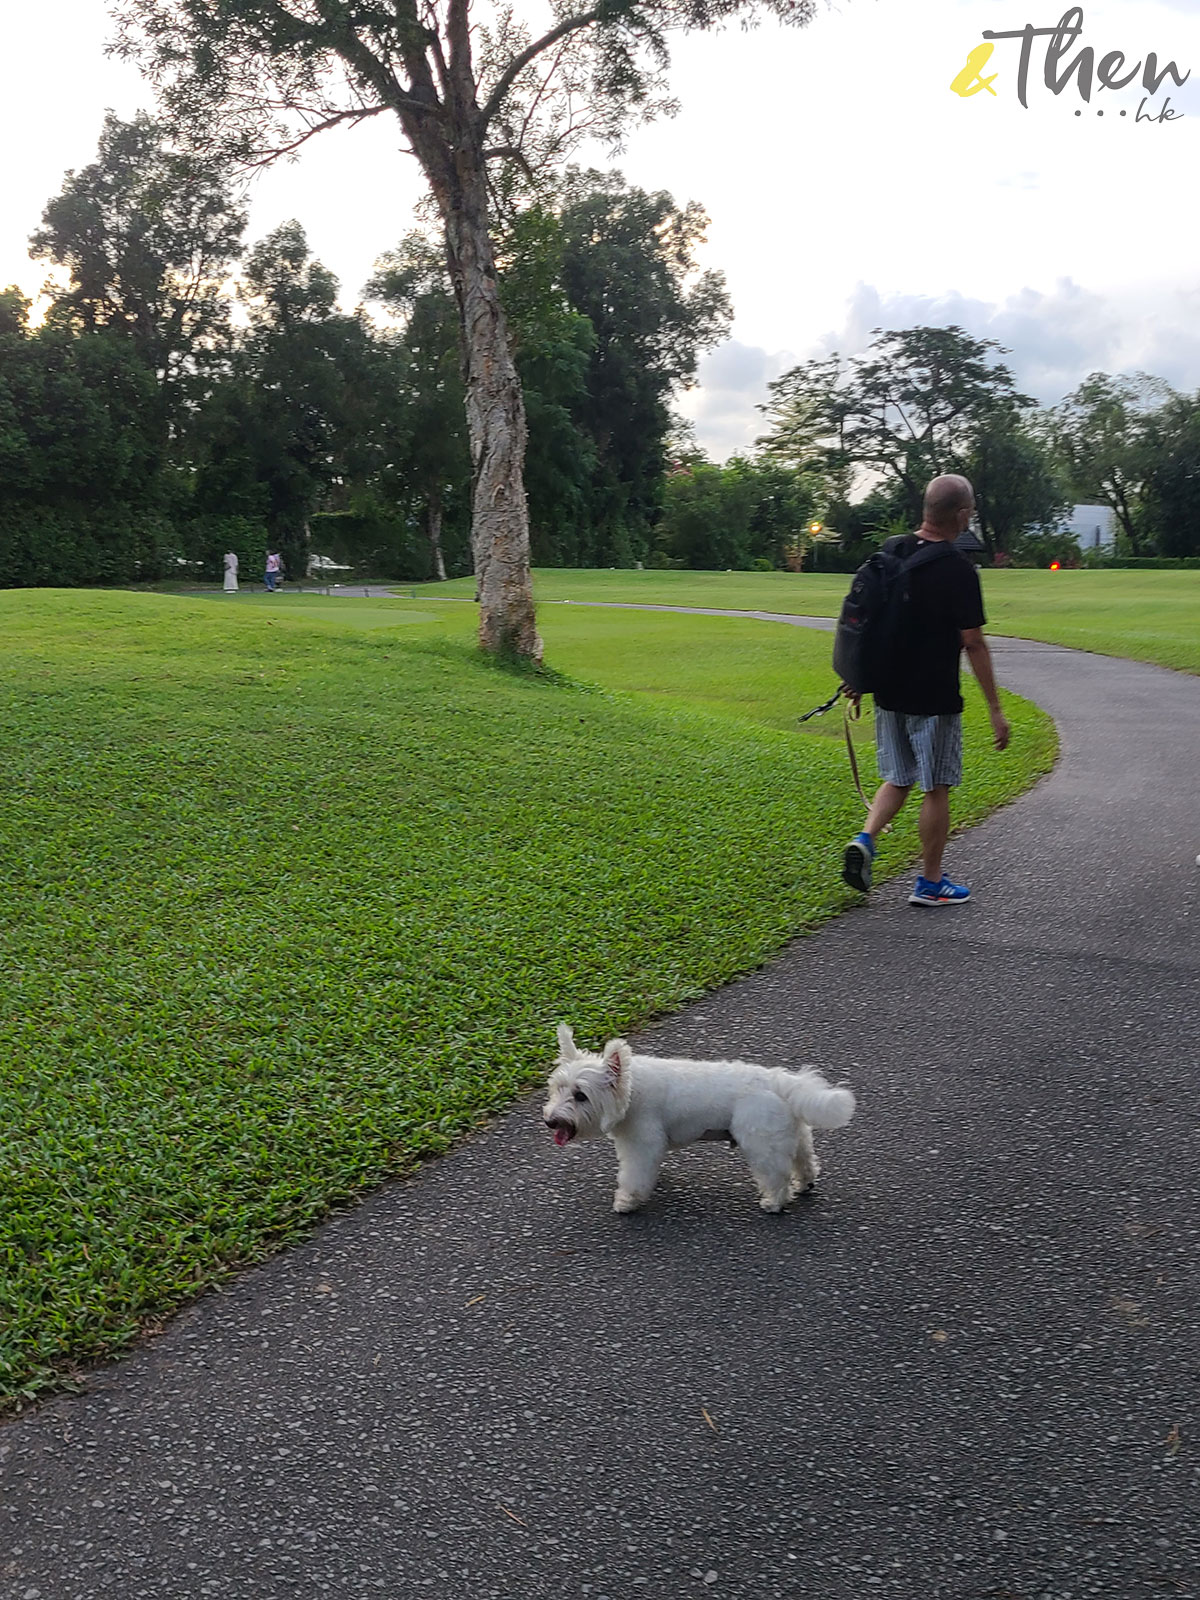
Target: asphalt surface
[968, 1367]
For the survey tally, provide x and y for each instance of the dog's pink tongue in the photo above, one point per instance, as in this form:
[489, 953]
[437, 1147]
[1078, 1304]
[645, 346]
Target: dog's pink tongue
[561, 1137]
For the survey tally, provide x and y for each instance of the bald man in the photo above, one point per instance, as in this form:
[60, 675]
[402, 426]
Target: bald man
[918, 719]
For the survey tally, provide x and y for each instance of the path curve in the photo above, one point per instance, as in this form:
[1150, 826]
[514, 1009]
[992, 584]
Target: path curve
[968, 1368]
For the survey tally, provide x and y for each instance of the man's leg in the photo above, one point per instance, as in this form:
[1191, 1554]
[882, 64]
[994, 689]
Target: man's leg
[934, 827]
[887, 802]
[895, 760]
[938, 741]
[859, 858]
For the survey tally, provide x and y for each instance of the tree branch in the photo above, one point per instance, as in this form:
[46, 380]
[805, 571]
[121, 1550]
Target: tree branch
[355, 116]
[509, 152]
[344, 38]
[518, 64]
[458, 36]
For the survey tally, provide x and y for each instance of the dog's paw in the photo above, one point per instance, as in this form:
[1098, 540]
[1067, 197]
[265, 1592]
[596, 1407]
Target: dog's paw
[625, 1203]
[773, 1203]
[802, 1186]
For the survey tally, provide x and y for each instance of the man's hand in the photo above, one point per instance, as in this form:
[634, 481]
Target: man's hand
[980, 658]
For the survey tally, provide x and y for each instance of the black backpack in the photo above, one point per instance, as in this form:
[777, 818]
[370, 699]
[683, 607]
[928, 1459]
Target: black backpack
[873, 613]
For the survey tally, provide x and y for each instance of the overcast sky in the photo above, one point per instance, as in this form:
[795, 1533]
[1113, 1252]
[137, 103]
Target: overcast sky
[848, 187]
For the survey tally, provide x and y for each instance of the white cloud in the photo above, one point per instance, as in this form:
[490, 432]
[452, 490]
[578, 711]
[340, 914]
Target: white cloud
[733, 383]
[1054, 338]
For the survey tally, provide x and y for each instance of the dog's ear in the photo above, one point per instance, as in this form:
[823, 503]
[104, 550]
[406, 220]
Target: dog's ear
[617, 1056]
[566, 1043]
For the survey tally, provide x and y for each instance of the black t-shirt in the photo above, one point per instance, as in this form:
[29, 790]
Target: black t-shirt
[944, 598]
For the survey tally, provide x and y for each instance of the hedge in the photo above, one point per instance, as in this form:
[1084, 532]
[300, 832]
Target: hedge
[42, 548]
[1150, 563]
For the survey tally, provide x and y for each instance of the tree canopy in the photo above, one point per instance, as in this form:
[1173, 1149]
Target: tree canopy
[483, 105]
[148, 234]
[186, 394]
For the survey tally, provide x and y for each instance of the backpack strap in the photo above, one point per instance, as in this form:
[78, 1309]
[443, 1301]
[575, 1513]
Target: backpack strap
[931, 550]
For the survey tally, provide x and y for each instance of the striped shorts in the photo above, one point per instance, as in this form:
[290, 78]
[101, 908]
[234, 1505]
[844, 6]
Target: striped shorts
[922, 750]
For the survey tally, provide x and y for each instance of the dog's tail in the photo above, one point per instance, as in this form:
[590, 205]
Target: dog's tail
[811, 1097]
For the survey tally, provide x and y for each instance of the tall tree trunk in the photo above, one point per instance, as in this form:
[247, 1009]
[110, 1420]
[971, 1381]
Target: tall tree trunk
[451, 152]
[434, 526]
[496, 426]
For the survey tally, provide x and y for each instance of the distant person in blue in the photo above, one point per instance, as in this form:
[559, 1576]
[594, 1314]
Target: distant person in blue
[274, 572]
[918, 720]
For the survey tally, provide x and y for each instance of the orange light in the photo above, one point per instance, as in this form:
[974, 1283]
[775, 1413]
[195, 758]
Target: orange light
[814, 527]
[1054, 567]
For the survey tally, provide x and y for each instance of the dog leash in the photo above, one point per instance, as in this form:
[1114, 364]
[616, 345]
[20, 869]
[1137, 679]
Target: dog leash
[851, 713]
[819, 711]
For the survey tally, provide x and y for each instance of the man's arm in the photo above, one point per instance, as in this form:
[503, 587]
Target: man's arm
[980, 658]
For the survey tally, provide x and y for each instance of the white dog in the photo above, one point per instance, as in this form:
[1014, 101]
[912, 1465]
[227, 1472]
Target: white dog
[648, 1105]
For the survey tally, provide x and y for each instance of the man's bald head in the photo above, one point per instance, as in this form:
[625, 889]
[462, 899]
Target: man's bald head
[949, 502]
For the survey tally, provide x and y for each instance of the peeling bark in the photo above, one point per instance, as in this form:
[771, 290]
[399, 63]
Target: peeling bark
[496, 428]
[434, 526]
[494, 402]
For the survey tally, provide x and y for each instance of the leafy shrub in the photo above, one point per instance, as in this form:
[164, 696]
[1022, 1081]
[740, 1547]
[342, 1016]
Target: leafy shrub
[373, 542]
[206, 539]
[1040, 549]
[1152, 563]
[42, 547]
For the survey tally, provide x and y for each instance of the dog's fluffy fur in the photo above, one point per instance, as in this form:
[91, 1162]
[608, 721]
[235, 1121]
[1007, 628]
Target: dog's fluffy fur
[648, 1105]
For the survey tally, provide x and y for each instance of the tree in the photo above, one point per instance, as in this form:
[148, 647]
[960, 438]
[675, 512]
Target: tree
[629, 266]
[706, 517]
[596, 401]
[785, 505]
[14, 311]
[1171, 488]
[912, 407]
[77, 421]
[1018, 484]
[863, 525]
[555, 349]
[742, 515]
[148, 234]
[297, 410]
[80, 457]
[427, 459]
[1100, 433]
[262, 76]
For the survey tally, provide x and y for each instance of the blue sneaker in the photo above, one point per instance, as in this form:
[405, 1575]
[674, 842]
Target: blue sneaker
[939, 894]
[857, 862]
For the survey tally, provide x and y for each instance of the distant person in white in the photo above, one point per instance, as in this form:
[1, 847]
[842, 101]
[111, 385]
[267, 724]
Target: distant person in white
[231, 572]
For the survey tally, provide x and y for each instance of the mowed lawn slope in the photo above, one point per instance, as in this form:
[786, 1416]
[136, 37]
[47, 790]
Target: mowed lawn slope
[1149, 616]
[293, 896]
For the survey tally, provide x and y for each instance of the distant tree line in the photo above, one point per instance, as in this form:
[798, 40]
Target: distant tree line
[186, 394]
[865, 434]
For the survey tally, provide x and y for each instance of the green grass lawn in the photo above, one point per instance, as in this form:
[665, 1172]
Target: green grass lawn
[1151, 616]
[295, 890]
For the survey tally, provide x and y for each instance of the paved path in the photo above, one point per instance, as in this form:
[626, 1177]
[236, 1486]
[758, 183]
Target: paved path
[968, 1368]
